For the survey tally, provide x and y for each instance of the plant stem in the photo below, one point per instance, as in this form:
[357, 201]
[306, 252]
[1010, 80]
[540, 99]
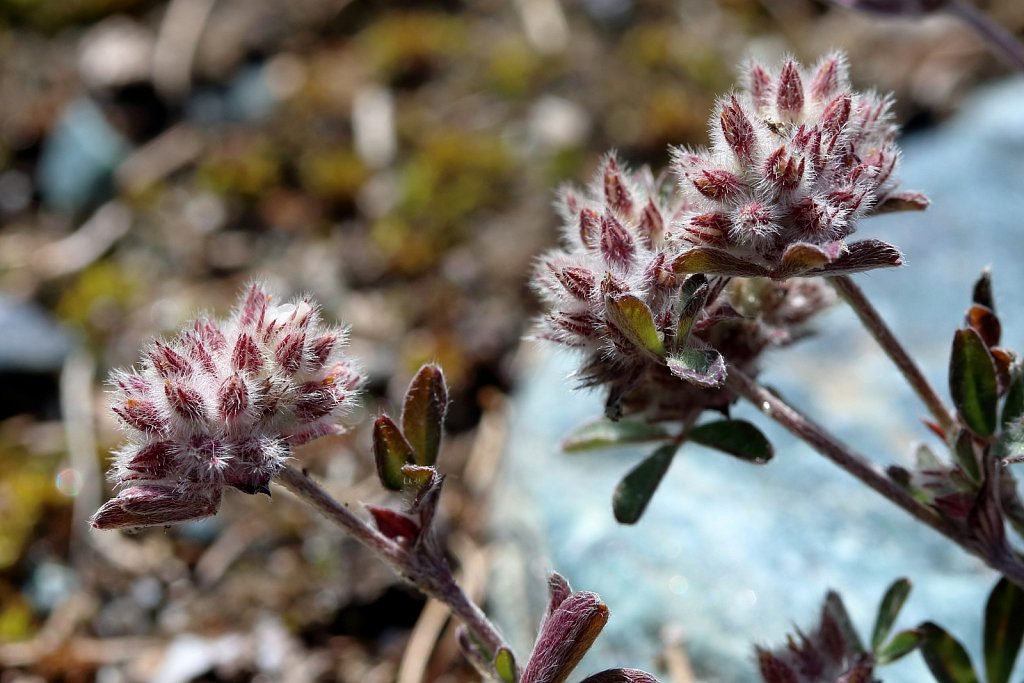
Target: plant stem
[872, 321]
[431, 576]
[992, 33]
[859, 466]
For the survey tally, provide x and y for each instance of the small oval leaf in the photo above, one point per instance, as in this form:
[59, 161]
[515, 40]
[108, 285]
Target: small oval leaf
[692, 297]
[738, 438]
[390, 453]
[901, 645]
[703, 367]
[608, 434]
[1004, 630]
[888, 610]
[634, 492]
[1013, 405]
[635, 320]
[426, 402]
[945, 656]
[505, 666]
[972, 382]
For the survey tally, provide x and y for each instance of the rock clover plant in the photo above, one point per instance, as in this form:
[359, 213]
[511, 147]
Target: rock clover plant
[671, 288]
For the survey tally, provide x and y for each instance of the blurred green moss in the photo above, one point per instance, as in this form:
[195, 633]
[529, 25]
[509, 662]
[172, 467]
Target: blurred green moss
[97, 298]
[451, 176]
[406, 47]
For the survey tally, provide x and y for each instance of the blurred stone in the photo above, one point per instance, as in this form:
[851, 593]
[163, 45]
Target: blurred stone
[32, 341]
[78, 159]
[734, 554]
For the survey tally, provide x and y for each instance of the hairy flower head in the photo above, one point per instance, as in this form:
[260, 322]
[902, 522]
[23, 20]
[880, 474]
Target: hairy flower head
[797, 159]
[657, 339]
[222, 404]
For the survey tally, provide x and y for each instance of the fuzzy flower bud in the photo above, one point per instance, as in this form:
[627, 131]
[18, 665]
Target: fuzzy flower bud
[222, 405]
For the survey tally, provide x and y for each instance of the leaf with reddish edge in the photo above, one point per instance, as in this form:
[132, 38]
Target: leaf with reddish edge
[390, 453]
[621, 676]
[608, 434]
[864, 255]
[800, 258]
[986, 323]
[737, 438]
[636, 489]
[982, 293]
[634, 319]
[901, 201]
[945, 656]
[393, 524]
[1004, 630]
[972, 382]
[703, 367]
[426, 402]
[712, 261]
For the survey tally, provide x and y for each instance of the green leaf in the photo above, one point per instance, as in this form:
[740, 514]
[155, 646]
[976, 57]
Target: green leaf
[692, 297]
[1004, 630]
[972, 382]
[801, 258]
[426, 401]
[505, 665]
[634, 492]
[390, 453]
[888, 610]
[963, 451]
[703, 367]
[735, 437]
[945, 656]
[634, 319]
[901, 645]
[1013, 406]
[608, 434]
[712, 261]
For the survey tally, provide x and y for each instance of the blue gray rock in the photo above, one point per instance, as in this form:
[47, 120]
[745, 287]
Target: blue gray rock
[78, 158]
[735, 554]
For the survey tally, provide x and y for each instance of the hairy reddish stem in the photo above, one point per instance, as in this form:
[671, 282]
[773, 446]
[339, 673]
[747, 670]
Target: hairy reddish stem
[863, 469]
[431, 575]
[872, 321]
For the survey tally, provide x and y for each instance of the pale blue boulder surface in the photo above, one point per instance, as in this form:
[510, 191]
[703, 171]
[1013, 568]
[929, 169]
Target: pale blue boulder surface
[731, 554]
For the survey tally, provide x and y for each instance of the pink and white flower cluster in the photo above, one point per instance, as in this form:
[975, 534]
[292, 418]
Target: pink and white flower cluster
[797, 159]
[222, 405]
[640, 283]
